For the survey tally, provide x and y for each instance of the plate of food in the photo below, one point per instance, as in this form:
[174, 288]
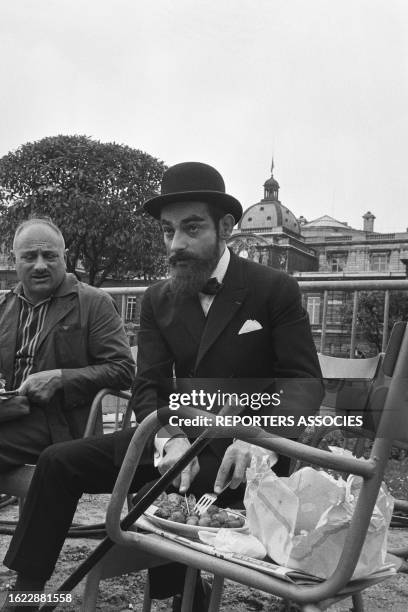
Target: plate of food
[175, 513]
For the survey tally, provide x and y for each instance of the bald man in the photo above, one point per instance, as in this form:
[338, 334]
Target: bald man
[61, 341]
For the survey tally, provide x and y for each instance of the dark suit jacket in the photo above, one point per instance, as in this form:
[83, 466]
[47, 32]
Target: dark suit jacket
[83, 335]
[177, 340]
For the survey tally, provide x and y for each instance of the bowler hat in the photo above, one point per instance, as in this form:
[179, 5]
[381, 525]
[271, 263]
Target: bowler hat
[196, 182]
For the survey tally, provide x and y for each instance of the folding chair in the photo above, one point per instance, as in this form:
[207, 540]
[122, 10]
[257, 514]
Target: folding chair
[351, 384]
[17, 481]
[390, 405]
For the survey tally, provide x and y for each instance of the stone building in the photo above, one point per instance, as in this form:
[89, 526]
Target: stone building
[322, 249]
[270, 234]
[348, 252]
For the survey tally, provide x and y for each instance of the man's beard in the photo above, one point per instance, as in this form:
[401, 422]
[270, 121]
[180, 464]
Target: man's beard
[189, 279]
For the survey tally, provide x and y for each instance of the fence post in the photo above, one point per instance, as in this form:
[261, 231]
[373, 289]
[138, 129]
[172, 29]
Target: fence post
[324, 320]
[386, 319]
[123, 306]
[354, 325]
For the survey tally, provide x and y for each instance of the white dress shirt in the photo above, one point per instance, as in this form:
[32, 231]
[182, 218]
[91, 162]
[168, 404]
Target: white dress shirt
[219, 273]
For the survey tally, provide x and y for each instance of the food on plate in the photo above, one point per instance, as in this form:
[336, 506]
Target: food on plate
[173, 507]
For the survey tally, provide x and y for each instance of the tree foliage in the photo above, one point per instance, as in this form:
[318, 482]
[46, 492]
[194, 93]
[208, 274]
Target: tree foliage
[93, 191]
[370, 315]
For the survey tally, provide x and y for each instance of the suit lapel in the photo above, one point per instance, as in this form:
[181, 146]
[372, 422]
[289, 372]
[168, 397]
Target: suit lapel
[182, 321]
[63, 302]
[190, 314]
[8, 334]
[224, 307]
[57, 310]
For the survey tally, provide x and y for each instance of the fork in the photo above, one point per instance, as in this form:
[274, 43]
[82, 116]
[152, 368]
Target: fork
[208, 500]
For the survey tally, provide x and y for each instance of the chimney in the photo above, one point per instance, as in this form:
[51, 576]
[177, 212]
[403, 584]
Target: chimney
[368, 222]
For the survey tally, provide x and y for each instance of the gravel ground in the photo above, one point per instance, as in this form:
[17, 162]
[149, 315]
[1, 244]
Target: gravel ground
[125, 592]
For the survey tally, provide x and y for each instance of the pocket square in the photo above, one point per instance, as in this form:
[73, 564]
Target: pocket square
[249, 326]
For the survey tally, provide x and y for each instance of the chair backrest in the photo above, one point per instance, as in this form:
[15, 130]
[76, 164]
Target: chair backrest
[118, 406]
[390, 368]
[361, 386]
[339, 367]
[389, 403]
[348, 383]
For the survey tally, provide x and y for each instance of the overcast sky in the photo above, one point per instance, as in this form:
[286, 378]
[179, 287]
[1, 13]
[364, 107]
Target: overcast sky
[320, 84]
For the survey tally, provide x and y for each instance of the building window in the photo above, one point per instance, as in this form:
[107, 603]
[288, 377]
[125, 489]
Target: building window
[379, 262]
[313, 309]
[335, 310]
[131, 308]
[337, 263]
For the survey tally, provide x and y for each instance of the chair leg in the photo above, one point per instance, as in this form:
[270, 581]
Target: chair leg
[189, 588]
[147, 602]
[92, 589]
[21, 501]
[358, 603]
[216, 594]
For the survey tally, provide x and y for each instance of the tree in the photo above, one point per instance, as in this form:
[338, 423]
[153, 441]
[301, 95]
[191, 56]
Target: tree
[93, 191]
[370, 315]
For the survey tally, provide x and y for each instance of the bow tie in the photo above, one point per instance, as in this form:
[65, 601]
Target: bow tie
[211, 287]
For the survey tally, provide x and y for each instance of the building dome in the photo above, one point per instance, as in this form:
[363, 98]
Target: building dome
[271, 183]
[267, 215]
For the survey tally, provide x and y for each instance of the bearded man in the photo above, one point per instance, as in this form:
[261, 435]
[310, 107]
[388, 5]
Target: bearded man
[218, 318]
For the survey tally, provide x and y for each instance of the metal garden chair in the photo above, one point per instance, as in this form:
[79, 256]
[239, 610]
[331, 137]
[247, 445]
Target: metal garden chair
[389, 404]
[17, 481]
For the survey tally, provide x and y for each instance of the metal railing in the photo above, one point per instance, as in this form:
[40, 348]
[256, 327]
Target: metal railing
[322, 287]
[354, 287]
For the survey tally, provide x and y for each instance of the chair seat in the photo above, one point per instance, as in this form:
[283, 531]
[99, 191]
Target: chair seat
[159, 547]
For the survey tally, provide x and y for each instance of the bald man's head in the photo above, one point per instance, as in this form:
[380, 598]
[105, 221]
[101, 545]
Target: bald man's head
[39, 252]
[37, 221]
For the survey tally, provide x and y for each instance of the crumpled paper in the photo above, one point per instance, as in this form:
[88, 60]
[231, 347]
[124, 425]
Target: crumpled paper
[229, 541]
[303, 520]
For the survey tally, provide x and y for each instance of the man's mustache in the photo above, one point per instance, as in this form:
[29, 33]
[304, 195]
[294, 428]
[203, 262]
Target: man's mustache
[177, 257]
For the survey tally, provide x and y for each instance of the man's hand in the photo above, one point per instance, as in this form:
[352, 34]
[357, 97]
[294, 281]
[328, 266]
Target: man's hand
[174, 449]
[236, 459]
[41, 386]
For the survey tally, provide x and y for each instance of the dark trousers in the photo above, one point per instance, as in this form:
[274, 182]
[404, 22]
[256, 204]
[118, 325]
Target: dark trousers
[23, 440]
[64, 472]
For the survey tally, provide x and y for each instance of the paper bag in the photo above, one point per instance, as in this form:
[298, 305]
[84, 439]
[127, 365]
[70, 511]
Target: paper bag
[303, 520]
